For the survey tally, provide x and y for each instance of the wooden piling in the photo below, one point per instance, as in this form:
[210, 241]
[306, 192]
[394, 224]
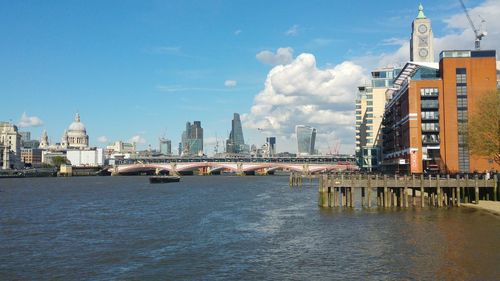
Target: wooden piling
[405, 192]
[422, 197]
[495, 188]
[386, 195]
[369, 187]
[476, 190]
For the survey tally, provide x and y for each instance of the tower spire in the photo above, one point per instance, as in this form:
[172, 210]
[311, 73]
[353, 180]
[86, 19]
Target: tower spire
[77, 117]
[420, 12]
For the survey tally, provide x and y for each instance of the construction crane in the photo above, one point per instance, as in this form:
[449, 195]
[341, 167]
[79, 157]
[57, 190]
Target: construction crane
[478, 32]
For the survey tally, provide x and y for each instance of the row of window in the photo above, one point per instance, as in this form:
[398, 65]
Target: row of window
[430, 115]
[430, 127]
[429, 104]
[461, 90]
[430, 139]
[429, 92]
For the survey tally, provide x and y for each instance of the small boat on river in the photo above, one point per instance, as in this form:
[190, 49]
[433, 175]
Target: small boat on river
[164, 179]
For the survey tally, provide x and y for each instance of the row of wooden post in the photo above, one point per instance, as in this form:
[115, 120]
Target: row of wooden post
[338, 191]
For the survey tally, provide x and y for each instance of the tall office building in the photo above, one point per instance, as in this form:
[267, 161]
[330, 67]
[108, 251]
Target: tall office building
[306, 138]
[236, 142]
[192, 139]
[425, 122]
[370, 105]
[421, 43]
[165, 146]
[271, 144]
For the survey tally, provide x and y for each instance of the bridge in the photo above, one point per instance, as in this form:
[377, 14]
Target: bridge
[239, 166]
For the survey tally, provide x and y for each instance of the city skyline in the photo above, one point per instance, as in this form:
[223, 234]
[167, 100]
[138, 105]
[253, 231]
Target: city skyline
[137, 72]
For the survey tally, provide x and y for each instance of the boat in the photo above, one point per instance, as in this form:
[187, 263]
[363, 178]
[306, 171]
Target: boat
[164, 179]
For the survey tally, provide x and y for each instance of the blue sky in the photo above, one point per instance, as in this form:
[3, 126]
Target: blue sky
[145, 68]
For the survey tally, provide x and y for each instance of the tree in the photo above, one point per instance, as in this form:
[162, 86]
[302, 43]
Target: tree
[59, 160]
[484, 127]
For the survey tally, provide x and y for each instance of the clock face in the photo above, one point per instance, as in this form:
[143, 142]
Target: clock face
[423, 53]
[422, 28]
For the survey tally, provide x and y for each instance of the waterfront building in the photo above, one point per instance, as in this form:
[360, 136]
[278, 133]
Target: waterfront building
[120, 147]
[422, 39]
[192, 139]
[236, 142]
[271, 145]
[10, 146]
[306, 138]
[85, 158]
[75, 137]
[370, 104]
[31, 156]
[165, 146]
[425, 121]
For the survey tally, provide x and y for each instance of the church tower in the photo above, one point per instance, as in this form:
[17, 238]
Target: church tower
[421, 43]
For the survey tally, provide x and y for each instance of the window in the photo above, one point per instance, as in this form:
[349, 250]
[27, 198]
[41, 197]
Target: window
[369, 115]
[358, 106]
[429, 104]
[358, 112]
[429, 92]
[461, 90]
[461, 75]
[369, 103]
[369, 121]
[369, 109]
[369, 97]
[358, 117]
[462, 103]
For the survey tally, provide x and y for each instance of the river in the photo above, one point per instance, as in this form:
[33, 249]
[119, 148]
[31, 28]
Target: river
[229, 228]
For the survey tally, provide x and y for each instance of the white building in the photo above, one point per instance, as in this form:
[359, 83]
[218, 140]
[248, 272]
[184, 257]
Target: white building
[10, 146]
[87, 157]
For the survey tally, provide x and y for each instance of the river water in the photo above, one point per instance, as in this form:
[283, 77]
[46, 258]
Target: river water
[229, 228]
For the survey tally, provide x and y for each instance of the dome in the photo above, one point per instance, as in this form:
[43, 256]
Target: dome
[77, 126]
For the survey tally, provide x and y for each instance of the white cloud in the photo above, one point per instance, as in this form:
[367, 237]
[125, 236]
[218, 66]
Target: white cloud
[237, 32]
[102, 139]
[282, 56]
[293, 31]
[139, 139]
[300, 93]
[230, 83]
[29, 121]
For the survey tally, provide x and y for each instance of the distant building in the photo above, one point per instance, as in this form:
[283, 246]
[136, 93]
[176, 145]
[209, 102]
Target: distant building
[31, 156]
[25, 136]
[165, 147]
[75, 136]
[87, 157]
[10, 146]
[271, 145]
[426, 120]
[370, 104]
[192, 139]
[306, 138]
[120, 147]
[236, 143]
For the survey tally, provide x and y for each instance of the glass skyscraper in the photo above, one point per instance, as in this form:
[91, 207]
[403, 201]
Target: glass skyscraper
[306, 138]
[236, 142]
[192, 139]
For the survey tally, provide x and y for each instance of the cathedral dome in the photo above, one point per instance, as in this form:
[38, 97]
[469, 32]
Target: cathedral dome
[77, 126]
[76, 135]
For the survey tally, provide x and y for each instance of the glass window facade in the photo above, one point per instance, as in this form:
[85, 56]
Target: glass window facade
[306, 138]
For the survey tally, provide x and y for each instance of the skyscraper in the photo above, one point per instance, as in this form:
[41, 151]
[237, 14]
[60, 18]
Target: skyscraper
[271, 143]
[306, 137]
[192, 139]
[236, 142]
[165, 147]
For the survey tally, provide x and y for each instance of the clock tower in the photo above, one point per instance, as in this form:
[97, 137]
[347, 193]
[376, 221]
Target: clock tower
[421, 49]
